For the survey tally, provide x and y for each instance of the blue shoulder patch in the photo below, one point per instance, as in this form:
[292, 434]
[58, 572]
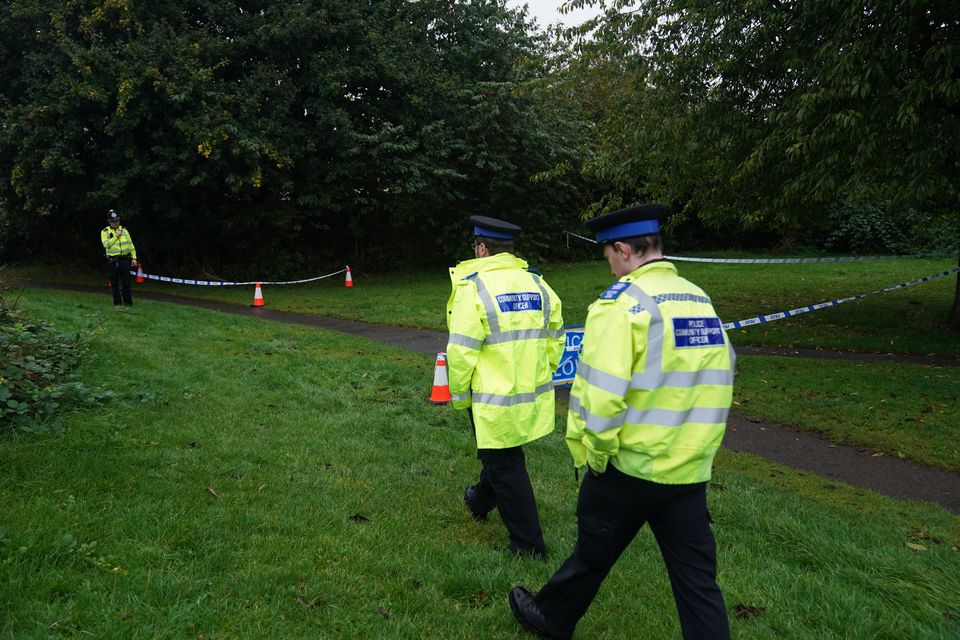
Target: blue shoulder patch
[614, 290]
[472, 275]
[534, 271]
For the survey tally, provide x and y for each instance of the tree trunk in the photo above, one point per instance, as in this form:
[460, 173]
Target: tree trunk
[955, 312]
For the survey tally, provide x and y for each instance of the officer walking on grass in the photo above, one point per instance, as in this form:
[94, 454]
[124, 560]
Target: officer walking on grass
[121, 256]
[648, 410]
[506, 339]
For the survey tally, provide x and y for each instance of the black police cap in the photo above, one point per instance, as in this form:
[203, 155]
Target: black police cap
[112, 215]
[631, 222]
[487, 227]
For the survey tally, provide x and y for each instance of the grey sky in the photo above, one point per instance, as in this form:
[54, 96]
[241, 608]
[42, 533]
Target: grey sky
[545, 11]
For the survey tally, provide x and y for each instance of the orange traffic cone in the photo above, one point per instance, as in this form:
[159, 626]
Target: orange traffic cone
[140, 277]
[441, 389]
[348, 281]
[257, 296]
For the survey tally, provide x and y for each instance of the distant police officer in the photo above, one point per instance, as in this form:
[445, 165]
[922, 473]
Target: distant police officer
[506, 339]
[648, 410]
[121, 256]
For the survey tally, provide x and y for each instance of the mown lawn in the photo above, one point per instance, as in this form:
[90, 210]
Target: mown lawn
[255, 480]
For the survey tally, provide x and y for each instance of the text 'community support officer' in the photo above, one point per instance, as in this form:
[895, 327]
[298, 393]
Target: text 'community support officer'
[506, 339]
[648, 410]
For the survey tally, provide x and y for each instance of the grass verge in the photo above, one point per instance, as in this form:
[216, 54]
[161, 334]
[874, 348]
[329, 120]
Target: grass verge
[906, 410]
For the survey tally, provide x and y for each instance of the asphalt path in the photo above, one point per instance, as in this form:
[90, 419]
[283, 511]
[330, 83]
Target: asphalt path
[856, 466]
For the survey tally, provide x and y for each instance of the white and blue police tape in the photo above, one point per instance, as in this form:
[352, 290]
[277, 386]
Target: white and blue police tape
[779, 260]
[739, 324]
[221, 283]
[567, 368]
[795, 260]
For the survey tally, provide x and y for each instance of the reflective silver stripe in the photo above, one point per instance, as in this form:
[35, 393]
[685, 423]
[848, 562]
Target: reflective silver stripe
[592, 422]
[657, 417]
[557, 333]
[649, 380]
[488, 305]
[672, 418]
[509, 401]
[457, 397]
[546, 301]
[517, 334]
[653, 354]
[602, 380]
[465, 341]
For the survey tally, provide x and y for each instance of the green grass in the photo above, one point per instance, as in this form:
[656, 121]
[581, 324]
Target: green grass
[905, 410]
[216, 497]
[911, 320]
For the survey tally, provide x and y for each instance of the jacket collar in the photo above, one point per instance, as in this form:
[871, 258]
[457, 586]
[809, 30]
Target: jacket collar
[654, 266]
[490, 263]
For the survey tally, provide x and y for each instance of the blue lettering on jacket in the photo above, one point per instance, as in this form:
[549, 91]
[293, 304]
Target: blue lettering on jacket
[697, 332]
[523, 301]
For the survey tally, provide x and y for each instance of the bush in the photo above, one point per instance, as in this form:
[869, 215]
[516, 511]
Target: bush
[35, 362]
[864, 227]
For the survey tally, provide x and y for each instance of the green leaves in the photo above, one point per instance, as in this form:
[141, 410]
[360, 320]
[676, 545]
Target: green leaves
[733, 108]
[35, 360]
[249, 138]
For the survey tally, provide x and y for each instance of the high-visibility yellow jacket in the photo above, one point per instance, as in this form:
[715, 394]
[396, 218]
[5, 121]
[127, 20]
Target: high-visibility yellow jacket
[506, 339]
[117, 242]
[654, 382]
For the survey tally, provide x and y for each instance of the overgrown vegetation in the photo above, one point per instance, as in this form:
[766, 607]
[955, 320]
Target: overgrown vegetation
[36, 361]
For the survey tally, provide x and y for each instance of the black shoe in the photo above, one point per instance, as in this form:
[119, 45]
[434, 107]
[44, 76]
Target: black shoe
[528, 615]
[468, 497]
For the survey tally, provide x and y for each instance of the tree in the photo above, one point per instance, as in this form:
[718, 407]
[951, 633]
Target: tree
[268, 136]
[763, 114]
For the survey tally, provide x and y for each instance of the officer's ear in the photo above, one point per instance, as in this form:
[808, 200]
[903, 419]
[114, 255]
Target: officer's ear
[622, 249]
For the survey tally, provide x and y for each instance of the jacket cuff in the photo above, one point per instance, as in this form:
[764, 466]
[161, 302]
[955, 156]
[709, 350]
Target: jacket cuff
[597, 461]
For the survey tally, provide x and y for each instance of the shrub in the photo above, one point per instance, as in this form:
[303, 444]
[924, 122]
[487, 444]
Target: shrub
[863, 227]
[35, 363]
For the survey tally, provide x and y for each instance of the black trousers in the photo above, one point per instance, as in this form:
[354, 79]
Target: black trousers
[505, 485]
[119, 270]
[611, 510]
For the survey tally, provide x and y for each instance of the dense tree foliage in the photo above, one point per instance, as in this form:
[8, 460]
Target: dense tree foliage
[266, 136]
[780, 116]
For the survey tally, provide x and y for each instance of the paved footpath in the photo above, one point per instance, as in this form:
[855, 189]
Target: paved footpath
[856, 466]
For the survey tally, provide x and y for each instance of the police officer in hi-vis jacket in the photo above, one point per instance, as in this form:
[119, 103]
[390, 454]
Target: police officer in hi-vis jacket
[121, 256]
[648, 410]
[506, 339]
